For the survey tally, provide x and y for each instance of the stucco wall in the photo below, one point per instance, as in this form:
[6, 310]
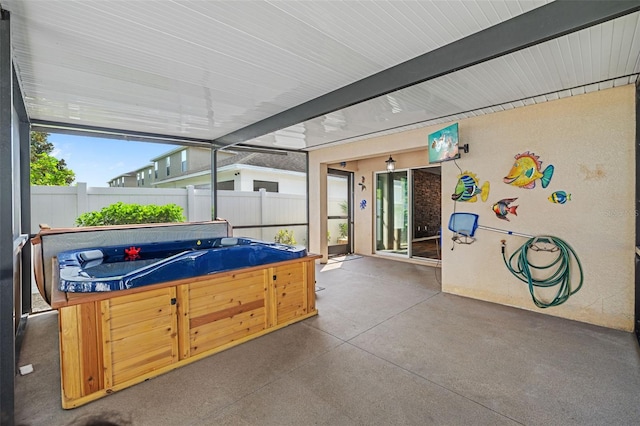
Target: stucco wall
[590, 141]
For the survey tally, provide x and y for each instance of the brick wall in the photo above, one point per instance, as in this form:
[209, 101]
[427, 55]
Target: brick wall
[426, 201]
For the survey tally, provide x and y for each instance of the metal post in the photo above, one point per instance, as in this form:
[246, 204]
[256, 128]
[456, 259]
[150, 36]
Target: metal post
[7, 329]
[214, 183]
[306, 171]
[637, 257]
[25, 194]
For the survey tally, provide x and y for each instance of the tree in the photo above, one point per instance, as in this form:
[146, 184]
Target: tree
[45, 168]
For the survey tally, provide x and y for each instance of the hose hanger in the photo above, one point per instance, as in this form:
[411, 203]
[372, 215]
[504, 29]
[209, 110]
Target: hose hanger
[543, 243]
[558, 270]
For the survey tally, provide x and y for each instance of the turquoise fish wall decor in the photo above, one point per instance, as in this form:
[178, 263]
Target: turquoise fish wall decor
[502, 207]
[559, 197]
[526, 170]
[467, 188]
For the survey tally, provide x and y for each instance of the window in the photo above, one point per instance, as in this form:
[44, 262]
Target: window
[141, 178]
[183, 161]
[138, 178]
[168, 166]
[149, 176]
[269, 186]
[227, 185]
[155, 167]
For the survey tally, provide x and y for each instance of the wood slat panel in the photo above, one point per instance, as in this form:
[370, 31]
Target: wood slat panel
[132, 318]
[223, 283]
[310, 286]
[225, 287]
[89, 326]
[139, 343]
[142, 334]
[106, 344]
[289, 273]
[134, 366]
[290, 313]
[127, 305]
[70, 357]
[203, 340]
[271, 305]
[183, 314]
[225, 326]
[136, 297]
[290, 291]
[227, 299]
[236, 335]
[290, 299]
[299, 308]
[227, 313]
[161, 321]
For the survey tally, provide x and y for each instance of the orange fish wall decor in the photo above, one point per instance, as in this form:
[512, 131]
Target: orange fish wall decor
[526, 170]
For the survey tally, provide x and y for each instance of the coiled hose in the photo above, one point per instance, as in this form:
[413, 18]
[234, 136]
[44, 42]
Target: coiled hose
[523, 269]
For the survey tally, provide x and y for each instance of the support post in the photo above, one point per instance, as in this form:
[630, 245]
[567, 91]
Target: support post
[191, 203]
[7, 324]
[25, 197]
[637, 257]
[214, 183]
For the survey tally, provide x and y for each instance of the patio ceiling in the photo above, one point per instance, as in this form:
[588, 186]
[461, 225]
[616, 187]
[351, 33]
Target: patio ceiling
[302, 75]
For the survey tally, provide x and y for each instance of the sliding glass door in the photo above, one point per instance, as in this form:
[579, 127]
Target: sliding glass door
[392, 213]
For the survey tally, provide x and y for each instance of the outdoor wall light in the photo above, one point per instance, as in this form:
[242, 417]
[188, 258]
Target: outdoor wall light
[391, 164]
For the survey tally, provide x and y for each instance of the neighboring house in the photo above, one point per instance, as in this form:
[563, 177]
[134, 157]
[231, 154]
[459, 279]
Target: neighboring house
[237, 171]
[123, 180]
[285, 173]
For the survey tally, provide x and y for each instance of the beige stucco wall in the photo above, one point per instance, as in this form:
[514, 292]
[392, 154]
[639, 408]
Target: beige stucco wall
[590, 141]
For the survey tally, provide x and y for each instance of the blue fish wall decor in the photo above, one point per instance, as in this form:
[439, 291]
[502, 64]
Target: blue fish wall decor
[559, 197]
[468, 189]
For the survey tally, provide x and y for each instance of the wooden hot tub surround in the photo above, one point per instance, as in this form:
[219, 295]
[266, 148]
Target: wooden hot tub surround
[112, 340]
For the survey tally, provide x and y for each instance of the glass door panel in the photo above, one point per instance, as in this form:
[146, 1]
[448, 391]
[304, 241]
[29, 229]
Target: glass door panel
[392, 213]
[339, 216]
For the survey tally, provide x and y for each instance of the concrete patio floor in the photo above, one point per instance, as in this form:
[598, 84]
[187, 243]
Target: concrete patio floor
[387, 348]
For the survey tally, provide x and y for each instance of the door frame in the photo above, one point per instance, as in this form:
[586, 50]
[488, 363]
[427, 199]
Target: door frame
[348, 247]
[408, 176]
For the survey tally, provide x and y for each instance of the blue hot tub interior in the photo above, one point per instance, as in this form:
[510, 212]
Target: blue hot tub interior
[122, 267]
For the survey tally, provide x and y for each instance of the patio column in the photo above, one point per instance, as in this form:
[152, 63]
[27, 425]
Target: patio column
[7, 330]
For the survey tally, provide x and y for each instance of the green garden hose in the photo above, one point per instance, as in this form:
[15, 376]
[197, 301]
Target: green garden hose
[561, 277]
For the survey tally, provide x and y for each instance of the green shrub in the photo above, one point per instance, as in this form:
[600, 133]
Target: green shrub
[343, 228]
[285, 237]
[123, 214]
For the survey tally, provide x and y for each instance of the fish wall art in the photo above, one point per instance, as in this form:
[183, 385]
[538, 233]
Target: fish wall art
[467, 188]
[559, 197]
[502, 207]
[526, 170]
[361, 183]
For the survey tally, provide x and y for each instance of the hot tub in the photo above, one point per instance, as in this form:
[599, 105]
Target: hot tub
[128, 266]
[197, 293]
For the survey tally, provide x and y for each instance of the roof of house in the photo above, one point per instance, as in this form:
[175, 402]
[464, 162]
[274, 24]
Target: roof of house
[286, 161]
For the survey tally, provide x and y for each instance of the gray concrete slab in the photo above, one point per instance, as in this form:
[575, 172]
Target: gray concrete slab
[387, 348]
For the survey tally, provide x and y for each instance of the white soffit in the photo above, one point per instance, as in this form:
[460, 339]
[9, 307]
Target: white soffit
[596, 58]
[204, 69]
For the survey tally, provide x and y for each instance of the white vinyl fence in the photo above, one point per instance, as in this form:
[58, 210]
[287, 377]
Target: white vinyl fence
[59, 206]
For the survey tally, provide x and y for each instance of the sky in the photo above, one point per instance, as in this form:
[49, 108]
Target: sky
[96, 161]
